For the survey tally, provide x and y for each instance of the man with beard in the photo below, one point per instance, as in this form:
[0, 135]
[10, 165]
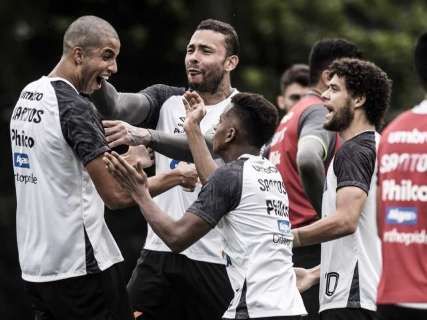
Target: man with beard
[357, 96]
[302, 150]
[193, 284]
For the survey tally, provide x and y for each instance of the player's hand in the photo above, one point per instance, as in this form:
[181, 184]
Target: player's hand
[306, 278]
[188, 173]
[119, 132]
[140, 154]
[131, 178]
[195, 108]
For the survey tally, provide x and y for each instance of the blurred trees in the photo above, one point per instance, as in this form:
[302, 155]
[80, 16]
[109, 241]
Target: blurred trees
[274, 34]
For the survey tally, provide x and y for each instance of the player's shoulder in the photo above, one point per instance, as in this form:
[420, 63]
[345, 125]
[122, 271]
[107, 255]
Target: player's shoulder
[163, 90]
[360, 146]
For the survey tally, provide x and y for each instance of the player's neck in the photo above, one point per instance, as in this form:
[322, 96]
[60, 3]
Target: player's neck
[65, 70]
[236, 151]
[359, 125]
[223, 92]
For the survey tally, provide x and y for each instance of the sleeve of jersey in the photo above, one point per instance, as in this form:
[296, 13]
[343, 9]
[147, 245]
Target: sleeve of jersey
[83, 131]
[220, 195]
[157, 95]
[354, 166]
[311, 127]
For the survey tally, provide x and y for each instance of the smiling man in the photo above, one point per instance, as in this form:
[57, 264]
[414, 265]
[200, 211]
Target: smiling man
[194, 283]
[357, 97]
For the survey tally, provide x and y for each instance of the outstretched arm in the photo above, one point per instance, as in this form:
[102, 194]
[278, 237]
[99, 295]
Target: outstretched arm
[178, 235]
[130, 107]
[171, 145]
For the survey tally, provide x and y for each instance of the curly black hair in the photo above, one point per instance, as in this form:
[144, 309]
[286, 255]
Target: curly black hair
[365, 79]
[232, 44]
[257, 116]
[419, 59]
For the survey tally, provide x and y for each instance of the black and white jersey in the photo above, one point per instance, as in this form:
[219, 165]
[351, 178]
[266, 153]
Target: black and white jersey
[175, 201]
[350, 266]
[247, 201]
[61, 230]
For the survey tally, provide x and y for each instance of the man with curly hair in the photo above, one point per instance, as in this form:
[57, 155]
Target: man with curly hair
[357, 97]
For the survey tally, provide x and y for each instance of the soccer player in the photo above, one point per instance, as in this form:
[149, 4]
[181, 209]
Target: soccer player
[402, 190]
[357, 96]
[293, 86]
[68, 257]
[193, 283]
[302, 150]
[246, 198]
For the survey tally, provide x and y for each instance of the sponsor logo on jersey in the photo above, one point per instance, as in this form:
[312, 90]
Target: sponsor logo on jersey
[174, 163]
[409, 137]
[27, 114]
[277, 207]
[21, 139]
[268, 185]
[412, 162]
[279, 238]
[284, 226]
[20, 160]
[399, 215]
[26, 178]
[406, 238]
[403, 191]
[267, 170]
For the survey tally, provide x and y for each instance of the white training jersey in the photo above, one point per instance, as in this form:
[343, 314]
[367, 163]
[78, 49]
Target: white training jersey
[247, 201]
[176, 201]
[350, 266]
[60, 224]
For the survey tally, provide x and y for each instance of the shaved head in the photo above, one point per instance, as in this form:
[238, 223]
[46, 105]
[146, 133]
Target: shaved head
[87, 32]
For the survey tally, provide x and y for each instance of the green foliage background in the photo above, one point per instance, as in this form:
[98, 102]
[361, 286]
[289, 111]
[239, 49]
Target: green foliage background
[274, 34]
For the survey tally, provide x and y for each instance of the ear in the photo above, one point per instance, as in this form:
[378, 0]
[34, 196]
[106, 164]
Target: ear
[359, 101]
[280, 102]
[324, 77]
[231, 63]
[77, 55]
[231, 135]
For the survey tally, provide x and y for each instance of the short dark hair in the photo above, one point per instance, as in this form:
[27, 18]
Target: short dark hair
[256, 115]
[232, 45]
[365, 79]
[297, 73]
[325, 51]
[87, 32]
[420, 55]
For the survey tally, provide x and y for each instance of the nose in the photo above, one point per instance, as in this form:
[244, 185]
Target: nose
[193, 57]
[113, 66]
[325, 95]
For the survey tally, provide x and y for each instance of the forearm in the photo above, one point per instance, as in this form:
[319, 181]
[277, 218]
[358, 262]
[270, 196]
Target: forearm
[163, 181]
[203, 160]
[133, 108]
[174, 146]
[326, 229]
[162, 224]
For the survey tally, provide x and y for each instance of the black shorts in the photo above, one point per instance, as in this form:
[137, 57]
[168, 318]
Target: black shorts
[348, 314]
[309, 257]
[166, 285]
[395, 312]
[91, 297]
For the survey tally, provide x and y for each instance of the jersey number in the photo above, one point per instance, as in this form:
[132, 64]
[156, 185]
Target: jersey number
[331, 283]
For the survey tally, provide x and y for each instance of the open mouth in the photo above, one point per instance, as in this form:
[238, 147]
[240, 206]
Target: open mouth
[100, 78]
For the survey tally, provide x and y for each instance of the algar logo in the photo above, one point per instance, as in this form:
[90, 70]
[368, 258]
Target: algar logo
[401, 215]
[20, 160]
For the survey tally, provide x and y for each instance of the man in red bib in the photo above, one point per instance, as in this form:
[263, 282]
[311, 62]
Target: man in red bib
[402, 216]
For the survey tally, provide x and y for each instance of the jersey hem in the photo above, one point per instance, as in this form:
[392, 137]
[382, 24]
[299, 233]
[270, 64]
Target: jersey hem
[196, 257]
[341, 305]
[63, 276]
[265, 314]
